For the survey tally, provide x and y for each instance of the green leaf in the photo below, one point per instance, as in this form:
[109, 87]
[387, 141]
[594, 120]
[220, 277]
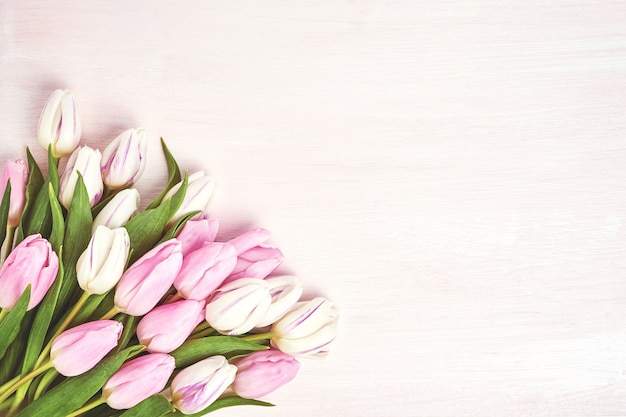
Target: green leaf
[58, 222]
[10, 325]
[4, 212]
[75, 241]
[130, 326]
[73, 392]
[195, 350]
[35, 182]
[154, 406]
[173, 172]
[176, 200]
[173, 231]
[41, 324]
[222, 403]
[40, 219]
[146, 228]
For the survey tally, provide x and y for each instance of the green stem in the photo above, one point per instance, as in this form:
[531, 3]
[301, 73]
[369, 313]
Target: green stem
[68, 320]
[202, 333]
[3, 314]
[87, 407]
[8, 384]
[9, 242]
[258, 336]
[24, 380]
[112, 313]
[45, 382]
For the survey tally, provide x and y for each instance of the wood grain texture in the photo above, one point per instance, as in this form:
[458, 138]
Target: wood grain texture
[450, 173]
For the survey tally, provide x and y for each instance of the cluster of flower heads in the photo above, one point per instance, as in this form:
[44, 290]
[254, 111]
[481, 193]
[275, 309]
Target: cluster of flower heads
[145, 308]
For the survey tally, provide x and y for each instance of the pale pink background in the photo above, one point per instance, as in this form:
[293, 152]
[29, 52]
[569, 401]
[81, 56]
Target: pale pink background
[452, 174]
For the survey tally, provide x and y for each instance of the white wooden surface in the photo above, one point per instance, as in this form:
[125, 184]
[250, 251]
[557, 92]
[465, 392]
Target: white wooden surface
[451, 173]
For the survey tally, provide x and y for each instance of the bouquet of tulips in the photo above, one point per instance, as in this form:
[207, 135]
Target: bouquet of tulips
[108, 310]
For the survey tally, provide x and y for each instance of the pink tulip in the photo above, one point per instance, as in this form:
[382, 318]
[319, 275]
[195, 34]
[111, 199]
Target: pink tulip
[32, 262]
[195, 233]
[204, 270]
[17, 171]
[166, 327]
[148, 279]
[264, 371]
[137, 380]
[254, 259]
[77, 350]
[124, 160]
[197, 386]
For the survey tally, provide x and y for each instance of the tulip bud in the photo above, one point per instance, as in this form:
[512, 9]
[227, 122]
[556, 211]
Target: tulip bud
[148, 279]
[264, 371]
[204, 270]
[17, 171]
[119, 210]
[285, 292]
[124, 160]
[167, 326]
[101, 265]
[86, 161]
[199, 385]
[137, 380]
[32, 262]
[306, 329]
[195, 233]
[77, 350]
[254, 259]
[200, 188]
[59, 124]
[237, 307]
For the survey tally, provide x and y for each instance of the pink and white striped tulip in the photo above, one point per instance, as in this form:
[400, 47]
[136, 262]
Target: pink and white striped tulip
[100, 266]
[237, 307]
[32, 262]
[59, 124]
[285, 292]
[195, 233]
[16, 171]
[148, 279]
[263, 372]
[307, 329]
[124, 160]
[199, 385]
[79, 349]
[204, 270]
[137, 380]
[86, 161]
[167, 326]
[119, 210]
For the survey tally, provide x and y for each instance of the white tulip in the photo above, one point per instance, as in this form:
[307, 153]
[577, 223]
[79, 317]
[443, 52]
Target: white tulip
[101, 265]
[86, 161]
[237, 307]
[307, 329]
[119, 210]
[285, 292]
[124, 160]
[200, 188]
[59, 124]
